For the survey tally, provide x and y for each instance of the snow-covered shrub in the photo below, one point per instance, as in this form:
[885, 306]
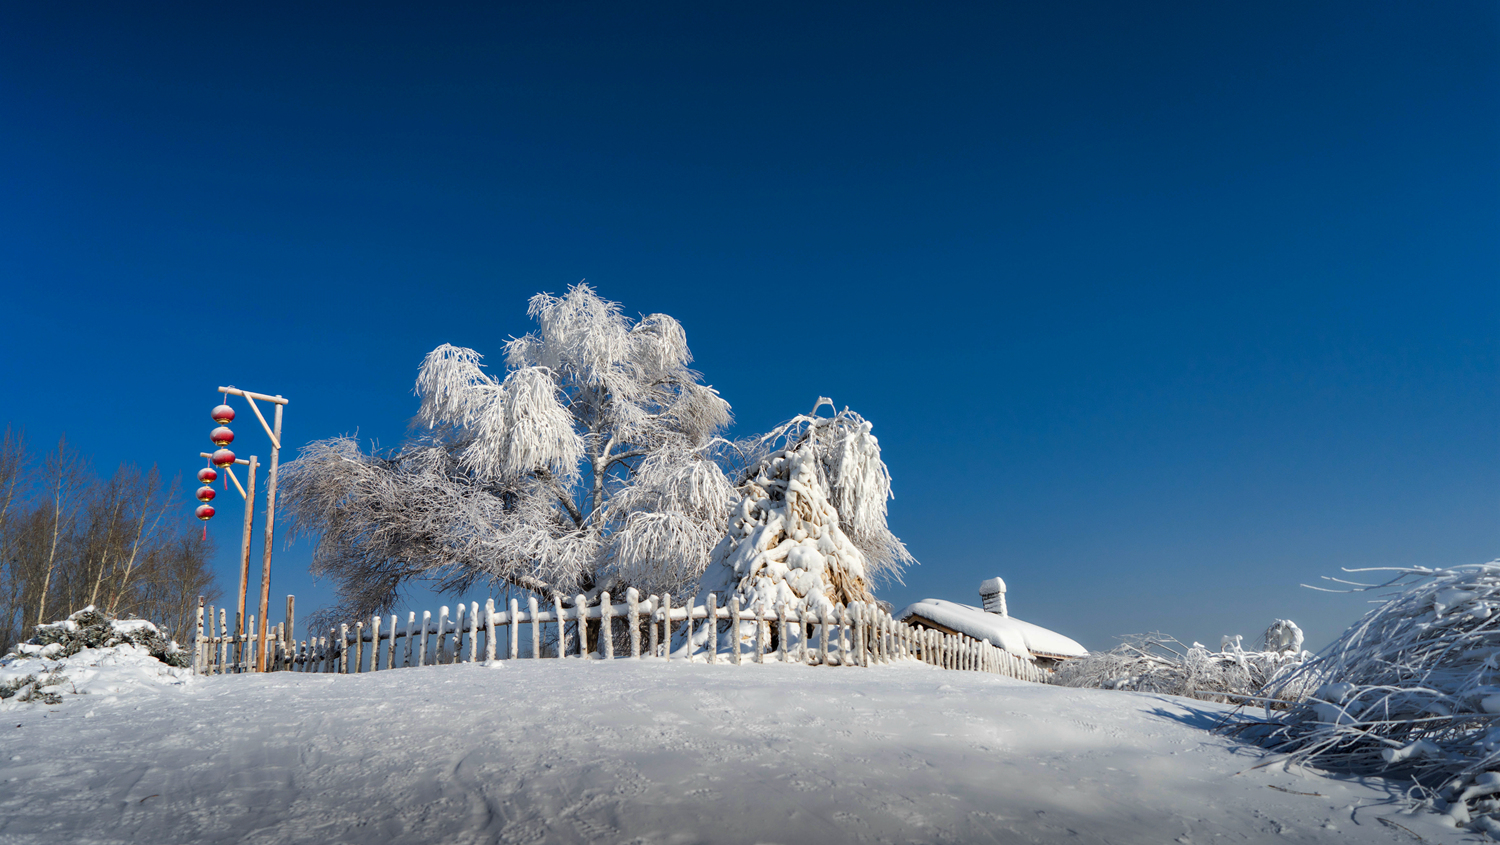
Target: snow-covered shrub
[1161, 664]
[1411, 689]
[810, 528]
[93, 628]
[42, 689]
[90, 651]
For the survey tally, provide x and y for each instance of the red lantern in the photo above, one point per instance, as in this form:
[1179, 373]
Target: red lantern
[221, 436]
[223, 458]
[208, 475]
[223, 415]
[206, 494]
[205, 512]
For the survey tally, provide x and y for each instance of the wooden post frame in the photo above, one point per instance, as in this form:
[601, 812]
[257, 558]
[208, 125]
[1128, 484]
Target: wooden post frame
[274, 432]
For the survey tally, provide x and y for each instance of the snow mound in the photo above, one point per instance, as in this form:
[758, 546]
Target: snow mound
[90, 652]
[1412, 689]
[1020, 638]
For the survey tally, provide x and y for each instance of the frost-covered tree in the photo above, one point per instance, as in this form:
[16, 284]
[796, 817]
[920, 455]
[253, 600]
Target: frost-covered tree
[810, 527]
[588, 466]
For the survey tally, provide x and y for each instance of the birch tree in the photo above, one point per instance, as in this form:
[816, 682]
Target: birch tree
[588, 465]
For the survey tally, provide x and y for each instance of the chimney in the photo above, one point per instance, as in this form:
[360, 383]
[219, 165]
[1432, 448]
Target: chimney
[992, 592]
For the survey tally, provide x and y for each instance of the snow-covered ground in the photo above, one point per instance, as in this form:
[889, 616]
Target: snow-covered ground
[650, 752]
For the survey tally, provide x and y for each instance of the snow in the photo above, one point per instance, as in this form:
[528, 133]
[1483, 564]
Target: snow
[102, 672]
[657, 752]
[1015, 636]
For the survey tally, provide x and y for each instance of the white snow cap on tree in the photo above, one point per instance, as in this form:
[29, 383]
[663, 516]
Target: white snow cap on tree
[810, 528]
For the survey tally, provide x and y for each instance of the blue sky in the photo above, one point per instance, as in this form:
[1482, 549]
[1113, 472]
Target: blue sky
[1159, 310]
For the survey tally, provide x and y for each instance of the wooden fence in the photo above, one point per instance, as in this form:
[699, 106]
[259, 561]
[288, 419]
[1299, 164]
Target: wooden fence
[857, 635]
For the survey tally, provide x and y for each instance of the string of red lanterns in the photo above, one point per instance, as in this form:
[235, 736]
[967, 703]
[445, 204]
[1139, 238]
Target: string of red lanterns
[222, 457]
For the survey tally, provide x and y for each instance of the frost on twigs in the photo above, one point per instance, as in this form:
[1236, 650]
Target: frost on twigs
[589, 466]
[1411, 689]
[1158, 663]
[810, 527]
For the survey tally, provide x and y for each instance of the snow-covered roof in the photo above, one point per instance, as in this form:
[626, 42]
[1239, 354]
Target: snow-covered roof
[1020, 638]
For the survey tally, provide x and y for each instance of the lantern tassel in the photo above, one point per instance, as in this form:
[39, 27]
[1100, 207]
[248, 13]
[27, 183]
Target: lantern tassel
[205, 533]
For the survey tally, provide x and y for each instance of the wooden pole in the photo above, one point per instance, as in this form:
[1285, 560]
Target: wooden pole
[265, 571]
[291, 618]
[239, 616]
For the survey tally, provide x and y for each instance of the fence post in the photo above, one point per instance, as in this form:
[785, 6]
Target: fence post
[390, 645]
[536, 628]
[513, 638]
[375, 643]
[458, 635]
[846, 626]
[489, 629]
[823, 637]
[562, 626]
[861, 651]
[713, 628]
[422, 638]
[606, 630]
[581, 605]
[223, 642]
[734, 630]
[762, 632]
[633, 611]
[781, 632]
[411, 619]
[473, 630]
[198, 640]
[804, 634]
[666, 625]
[359, 646]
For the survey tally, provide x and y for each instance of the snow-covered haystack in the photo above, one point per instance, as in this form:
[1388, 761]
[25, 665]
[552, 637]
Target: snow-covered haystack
[810, 529]
[1411, 689]
[1161, 664]
[90, 651]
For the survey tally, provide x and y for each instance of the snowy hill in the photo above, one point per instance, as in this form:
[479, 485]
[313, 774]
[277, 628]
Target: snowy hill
[651, 752]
